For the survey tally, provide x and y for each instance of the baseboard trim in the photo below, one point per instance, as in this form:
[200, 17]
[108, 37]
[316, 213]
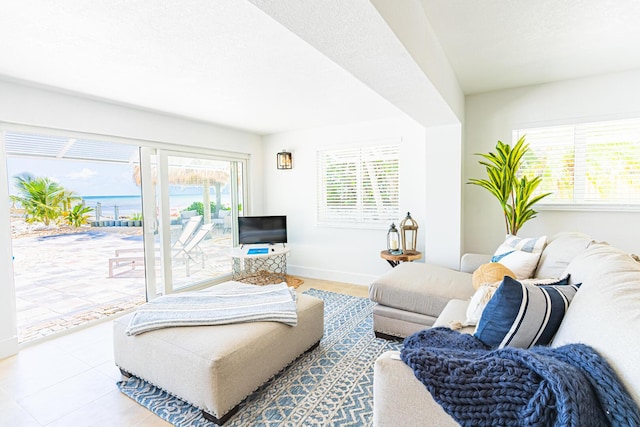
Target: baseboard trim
[8, 347]
[336, 276]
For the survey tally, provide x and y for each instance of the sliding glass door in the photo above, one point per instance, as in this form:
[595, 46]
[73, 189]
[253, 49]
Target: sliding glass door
[196, 199]
[76, 236]
[102, 224]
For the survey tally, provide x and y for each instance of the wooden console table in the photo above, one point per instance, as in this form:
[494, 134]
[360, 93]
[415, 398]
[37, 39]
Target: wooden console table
[394, 260]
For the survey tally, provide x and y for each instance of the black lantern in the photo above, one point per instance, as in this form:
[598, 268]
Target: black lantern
[393, 240]
[284, 160]
[409, 233]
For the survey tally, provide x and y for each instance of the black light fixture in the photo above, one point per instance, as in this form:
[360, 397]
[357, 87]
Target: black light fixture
[284, 160]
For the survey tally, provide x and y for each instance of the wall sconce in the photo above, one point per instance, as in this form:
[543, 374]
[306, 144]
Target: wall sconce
[284, 160]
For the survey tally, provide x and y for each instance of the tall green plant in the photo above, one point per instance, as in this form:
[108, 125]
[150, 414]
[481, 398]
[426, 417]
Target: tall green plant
[42, 199]
[514, 194]
[79, 215]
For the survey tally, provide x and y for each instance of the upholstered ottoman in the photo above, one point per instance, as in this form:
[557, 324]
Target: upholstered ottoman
[215, 367]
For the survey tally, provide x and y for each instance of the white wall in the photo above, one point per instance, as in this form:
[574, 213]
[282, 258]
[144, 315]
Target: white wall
[443, 169]
[347, 254]
[491, 117]
[34, 106]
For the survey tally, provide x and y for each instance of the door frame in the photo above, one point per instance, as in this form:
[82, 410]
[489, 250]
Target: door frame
[151, 193]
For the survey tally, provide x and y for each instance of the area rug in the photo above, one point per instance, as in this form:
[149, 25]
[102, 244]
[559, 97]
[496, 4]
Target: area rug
[329, 386]
[293, 281]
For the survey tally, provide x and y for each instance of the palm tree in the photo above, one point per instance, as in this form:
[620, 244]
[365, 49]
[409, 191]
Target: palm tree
[42, 199]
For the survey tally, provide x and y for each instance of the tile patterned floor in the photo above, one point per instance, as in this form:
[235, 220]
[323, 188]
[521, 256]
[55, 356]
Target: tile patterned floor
[62, 280]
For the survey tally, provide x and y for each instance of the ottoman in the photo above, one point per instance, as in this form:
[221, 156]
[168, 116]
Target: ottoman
[215, 367]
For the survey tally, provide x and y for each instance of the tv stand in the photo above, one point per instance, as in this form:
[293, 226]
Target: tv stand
[262, 268]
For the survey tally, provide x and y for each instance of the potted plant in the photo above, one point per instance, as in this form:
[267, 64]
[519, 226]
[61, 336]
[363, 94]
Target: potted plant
[137, 219]
[514, 194]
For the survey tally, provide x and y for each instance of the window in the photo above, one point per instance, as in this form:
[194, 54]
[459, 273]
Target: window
[587, 165]
[358, 185]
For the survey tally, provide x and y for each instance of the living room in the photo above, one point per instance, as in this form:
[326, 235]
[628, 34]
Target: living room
[418, 101]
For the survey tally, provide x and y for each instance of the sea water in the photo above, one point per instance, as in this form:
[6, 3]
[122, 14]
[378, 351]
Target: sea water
[126, 206]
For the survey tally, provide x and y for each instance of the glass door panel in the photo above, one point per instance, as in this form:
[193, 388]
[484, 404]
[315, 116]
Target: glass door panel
[76, 230]
[197, 205]
[200, 220]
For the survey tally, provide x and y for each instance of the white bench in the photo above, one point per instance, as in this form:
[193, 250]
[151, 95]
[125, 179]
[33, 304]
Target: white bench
[130, 260]
[133, 260]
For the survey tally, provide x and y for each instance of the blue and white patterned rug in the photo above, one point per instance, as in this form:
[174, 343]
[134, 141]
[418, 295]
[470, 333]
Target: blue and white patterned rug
[329, 386]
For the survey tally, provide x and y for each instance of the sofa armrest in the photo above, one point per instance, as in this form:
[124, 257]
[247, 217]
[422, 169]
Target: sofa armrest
[399, 399]
[470, 262]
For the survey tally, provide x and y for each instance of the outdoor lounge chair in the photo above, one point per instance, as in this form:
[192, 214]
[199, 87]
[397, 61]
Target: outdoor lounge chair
[191, 250]
[187, 232]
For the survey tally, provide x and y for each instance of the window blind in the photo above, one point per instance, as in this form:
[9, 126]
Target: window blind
[586, 164]
[358, 185]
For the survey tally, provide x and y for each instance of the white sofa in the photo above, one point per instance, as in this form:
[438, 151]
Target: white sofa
[604, 314]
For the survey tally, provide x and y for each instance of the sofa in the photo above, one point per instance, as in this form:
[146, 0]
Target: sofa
[603, 314]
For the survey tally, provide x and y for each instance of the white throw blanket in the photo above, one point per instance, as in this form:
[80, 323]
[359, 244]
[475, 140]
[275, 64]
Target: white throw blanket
[217, 306]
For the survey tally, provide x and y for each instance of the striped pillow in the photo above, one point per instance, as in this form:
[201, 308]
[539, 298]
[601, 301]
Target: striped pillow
[520, 255]
[523, 315]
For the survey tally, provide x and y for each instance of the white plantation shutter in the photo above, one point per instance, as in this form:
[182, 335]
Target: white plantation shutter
[358, 185]
[587, 165]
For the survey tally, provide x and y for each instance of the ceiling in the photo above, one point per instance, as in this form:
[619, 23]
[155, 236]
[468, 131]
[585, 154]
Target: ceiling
[228, 62]
[498, 44]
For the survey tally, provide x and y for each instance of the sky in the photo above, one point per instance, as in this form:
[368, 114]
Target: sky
[84, 178]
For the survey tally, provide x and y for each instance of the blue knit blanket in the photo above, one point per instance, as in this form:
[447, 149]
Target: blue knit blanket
[570, 385]
[217, 306]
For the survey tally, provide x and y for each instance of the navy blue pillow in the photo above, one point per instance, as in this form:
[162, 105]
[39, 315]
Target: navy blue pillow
[523, 315]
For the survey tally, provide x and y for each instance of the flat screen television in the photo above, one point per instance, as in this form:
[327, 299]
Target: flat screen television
[262, 229]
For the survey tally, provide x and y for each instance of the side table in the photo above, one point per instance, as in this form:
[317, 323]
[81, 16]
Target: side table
[394, 260]
[261, 268]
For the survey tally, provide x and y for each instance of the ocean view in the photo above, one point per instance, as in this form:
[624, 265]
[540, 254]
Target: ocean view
[129, 205]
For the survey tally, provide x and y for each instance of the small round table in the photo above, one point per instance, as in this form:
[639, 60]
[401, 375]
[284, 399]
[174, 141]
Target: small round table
[394, 260]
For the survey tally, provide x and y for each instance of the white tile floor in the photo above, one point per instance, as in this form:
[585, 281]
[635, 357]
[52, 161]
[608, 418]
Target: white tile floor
[71, 380]
[68, 381]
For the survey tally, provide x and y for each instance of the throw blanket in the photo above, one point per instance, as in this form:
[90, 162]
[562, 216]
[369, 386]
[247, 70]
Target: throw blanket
[570, 385]
[217, 306]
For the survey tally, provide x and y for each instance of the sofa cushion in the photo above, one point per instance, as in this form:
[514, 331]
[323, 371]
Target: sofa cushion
[605, 314]
[420, 288]
[520, 255]
[560, 250]
[523, 315]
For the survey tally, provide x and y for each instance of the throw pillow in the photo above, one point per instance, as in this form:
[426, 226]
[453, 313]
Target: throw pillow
[478, 302]
[522, 315]
[483, 294]
[490, 272]
[520, 255]
[550, 282]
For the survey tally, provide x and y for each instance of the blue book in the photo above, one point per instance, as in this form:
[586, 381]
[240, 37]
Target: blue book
[255, 251]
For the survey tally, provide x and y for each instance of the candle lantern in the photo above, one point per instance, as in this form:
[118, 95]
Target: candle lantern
[393, 239]
[409, 233]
